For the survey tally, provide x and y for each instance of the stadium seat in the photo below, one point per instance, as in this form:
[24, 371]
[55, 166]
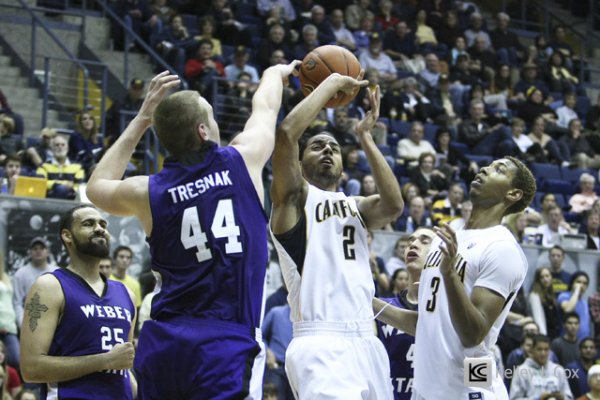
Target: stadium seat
[557, 186]
[545, 171]
[572, 174]
[392, 140]
[430, 131]
[400, 127]
[482, 161]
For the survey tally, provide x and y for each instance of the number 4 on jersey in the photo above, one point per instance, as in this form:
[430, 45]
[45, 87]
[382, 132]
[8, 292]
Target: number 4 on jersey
[223, 225]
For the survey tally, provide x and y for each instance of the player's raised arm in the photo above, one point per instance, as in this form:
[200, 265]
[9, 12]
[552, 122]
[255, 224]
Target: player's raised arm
[105, 187]
[43, 309]
[404, 320]
[289, 188]
[256, 141]
[377, 210]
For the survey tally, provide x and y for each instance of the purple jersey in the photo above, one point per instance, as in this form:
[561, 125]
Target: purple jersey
[209, 239]
[91, 324]
[400, 347]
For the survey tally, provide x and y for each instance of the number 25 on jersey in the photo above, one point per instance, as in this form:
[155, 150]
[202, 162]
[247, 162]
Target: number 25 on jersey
[223, 226]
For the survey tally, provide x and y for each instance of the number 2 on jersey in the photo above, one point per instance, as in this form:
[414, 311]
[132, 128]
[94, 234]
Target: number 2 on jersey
[223, 225]
[349, 253]
[435, 285]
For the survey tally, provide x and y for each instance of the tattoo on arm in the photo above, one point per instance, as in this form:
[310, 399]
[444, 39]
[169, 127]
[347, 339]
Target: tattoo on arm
[34, 309]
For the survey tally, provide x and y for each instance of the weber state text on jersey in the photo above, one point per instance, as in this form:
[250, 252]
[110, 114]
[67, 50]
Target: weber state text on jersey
[91, 324]
[486, 258]
[209, 238]
[400, 347]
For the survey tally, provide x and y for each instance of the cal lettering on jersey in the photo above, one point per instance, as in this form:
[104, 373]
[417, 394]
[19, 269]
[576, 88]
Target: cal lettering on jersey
[91, 311]
[339, 208]
[193, 189]
[434, 260]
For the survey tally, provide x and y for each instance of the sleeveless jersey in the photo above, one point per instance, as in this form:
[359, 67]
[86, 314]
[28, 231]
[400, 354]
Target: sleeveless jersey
[209, 240]
[90, 325]
[334, 283]
[489, 258]
[400, 347]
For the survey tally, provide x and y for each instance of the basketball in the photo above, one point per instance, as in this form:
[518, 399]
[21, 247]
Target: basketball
[324, 61]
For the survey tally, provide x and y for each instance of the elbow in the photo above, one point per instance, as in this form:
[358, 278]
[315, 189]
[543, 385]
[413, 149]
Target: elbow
[30, 373]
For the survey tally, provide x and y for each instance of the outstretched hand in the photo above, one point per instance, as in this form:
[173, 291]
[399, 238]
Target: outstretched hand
[158, 88]
[366, 125]
[286, 70]
[448, 247]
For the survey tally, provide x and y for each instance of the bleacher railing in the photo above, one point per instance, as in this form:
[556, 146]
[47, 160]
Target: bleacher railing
[231, 111]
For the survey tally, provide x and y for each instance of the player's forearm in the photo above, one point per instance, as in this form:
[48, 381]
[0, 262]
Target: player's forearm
[307, 110]
[389, 191]
[405, 320]
[269, 92]
[43, 368]
[467, 321]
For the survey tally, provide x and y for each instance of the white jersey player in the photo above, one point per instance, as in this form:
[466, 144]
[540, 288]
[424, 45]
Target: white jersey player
[321, 237]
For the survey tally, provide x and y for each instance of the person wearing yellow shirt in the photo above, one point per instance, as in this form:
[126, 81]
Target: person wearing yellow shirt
[122, 257]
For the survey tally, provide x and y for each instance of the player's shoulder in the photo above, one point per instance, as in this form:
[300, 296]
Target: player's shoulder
[47, 287]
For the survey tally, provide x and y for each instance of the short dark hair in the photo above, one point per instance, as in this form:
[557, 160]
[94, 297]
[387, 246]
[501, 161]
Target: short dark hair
[121, 248]
[305, 138]
[571, 315]
[424, 155]
[540, 339]
[523, 180]
[557, 247]
[12, 158]
[586, 339]
[66, 221]
[397, 272]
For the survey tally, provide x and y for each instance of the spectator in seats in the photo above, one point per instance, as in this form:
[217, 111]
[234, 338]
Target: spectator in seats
[308, 42]
[557, 75]
[466, 208]
[105, 265]
[581, 368]
[416, 218]
[396, 262]
[480, 137]
[583, 201]
[276, 40]
[162, 10]
[516, 224]
[174, 42]
[399, 281]
[343, 37]
[122, 257]
[443, 110]
[507, 45]
[343, 127]
[430, 181]
[566, 347]
[40, 153]
[120, 113]
[503, 82]
[354, 170]
[535, 107]
[560, 278]
[486, 58]
[542, 302]
[544, 50]
[458, 48]
[582, 153]
[208, 30]
[25, 276]
[230, 31]
[572, 301]
[450, 30]
[524, 148]
[529, 78]
[85, 147]
[9, 144]
[426, 38]
[400, 44]
[139, 17]
[430, 76]
[559, 44]
[385, 17]
[381, 279]
[277, 334]
[552, 230]
[538, 377]
[202, 70]
[362, 36]
[375, 58]
[12, 169]
[404, 101]
[555, 151]
[238, 104]
[285, 7]
[240, 64]
[8, 319]
[443, 211]
[410, 191]
[476, 30]
[494, 104]
[566, 112]
[356, 13]
[517, 356]
[63, 175]
[325, 33]
[592, 117]
[593, 230]
[6, 110]
[410, 149]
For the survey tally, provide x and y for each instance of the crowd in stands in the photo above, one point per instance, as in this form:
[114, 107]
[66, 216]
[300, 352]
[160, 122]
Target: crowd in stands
[458, 90]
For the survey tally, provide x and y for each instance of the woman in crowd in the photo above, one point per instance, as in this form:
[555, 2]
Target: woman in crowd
[85, 146]
[543, 305]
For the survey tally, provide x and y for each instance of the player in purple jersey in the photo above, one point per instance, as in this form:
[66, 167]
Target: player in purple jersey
[78, 326]
[401, 345]
[204, 220]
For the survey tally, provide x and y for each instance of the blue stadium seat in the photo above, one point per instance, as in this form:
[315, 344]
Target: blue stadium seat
[482, 161]
[545, 171]
[582, 106]
[190, 21]
[386, 121]
[560, 200]
[386, 150]
[557, 186]
[463, 148]
[572, 174]
[430, 131]
[32, 141]
[255, 32]
[400, 127]
[392, 140]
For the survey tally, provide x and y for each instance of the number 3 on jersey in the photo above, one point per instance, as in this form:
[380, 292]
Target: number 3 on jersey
[223, 225]
[435, 285]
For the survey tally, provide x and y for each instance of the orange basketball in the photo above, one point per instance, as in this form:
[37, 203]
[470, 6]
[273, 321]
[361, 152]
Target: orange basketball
[324, 61]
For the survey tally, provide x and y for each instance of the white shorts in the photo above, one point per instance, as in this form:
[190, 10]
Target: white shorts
[330, 360]
[258, 370]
